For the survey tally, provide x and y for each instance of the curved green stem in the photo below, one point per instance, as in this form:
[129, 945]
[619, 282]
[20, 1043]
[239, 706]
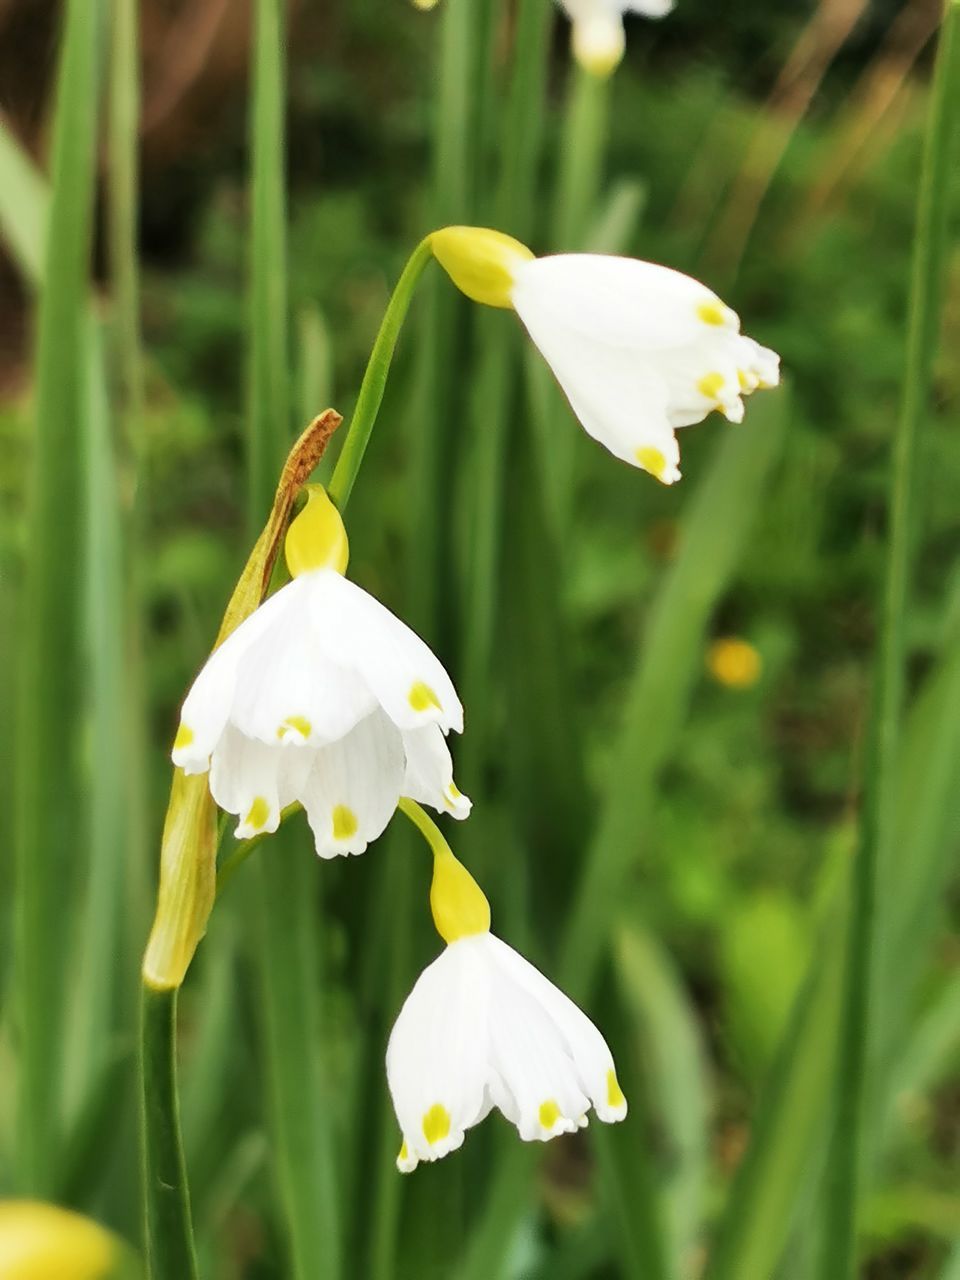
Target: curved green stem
[856, 1047]
[375, 377]
[425, 825]
[169, 1231]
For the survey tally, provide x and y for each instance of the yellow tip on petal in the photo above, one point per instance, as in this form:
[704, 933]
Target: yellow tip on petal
[714, 313]
[652, 460]
[344, 822]
[295, 724]
[184, 737]
[615, 1096]
[258, 815]
[424, 4]
[481, 262]
[436, 1124]
[421, 697]
[316, 538]
[710, 385]
[734, 662]
[549, 1114]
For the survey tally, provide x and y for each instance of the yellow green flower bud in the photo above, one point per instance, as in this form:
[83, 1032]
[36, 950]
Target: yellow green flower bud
[316, 538]
[480, 262]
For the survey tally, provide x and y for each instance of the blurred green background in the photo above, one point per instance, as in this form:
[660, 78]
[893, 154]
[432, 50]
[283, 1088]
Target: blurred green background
[669, 842]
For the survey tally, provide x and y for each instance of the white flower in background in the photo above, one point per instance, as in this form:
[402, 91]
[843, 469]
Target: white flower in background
[322, 696]
[597, 36]
[639, 350]
[482, 1028]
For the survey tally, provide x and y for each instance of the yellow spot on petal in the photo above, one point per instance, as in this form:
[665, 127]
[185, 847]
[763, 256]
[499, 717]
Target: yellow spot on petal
[344, 822]
[714, 313]
[710, 385]
[258, 815]
[421, 697]
[734, 662]
[549, 1114]
[184, 737]
[403, 1154]
[652, 460]
[436, 1124]
[748, 381]
[615, 1096]
[299, 724]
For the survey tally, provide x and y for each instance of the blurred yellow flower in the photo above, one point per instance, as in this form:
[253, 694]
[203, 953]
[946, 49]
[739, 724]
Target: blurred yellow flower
[43, 1242]
[734, 662]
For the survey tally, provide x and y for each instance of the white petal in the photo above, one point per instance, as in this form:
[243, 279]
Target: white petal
[207, 706]
[438, 1053]
[288, 689]
[358, 633]
[244, 781]
[429, 772]
[583, 1042]
[353, 786]
[531, 1060]
[612, 301]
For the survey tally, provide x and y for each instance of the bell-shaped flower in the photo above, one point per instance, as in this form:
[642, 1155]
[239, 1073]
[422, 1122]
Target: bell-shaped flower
[482, 1028]
[322, 696]
[597, 36]
[640, 350]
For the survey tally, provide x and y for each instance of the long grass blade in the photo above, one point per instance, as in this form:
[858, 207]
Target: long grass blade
[48, 804]
[857, 1045]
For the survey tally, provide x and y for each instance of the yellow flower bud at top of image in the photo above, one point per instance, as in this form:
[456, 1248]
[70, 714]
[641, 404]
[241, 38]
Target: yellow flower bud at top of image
[317, 538]
[42, 1241]
[734, 662]
[480, 262]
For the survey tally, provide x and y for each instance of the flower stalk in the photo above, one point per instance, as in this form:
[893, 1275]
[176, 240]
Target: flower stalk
[375, 377]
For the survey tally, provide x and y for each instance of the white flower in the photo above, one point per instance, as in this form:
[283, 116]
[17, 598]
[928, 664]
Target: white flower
[640, 350]
[483, 1028]
[322, 696]
[597, 36]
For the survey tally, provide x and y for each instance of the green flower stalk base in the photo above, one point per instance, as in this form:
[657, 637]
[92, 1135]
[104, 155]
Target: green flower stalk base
[168, 1227]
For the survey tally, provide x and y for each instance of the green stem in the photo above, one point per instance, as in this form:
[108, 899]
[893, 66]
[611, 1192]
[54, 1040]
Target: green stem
[375, 377]
[856, 1048]
[425, 825]
[169, 1231]
[582, 151]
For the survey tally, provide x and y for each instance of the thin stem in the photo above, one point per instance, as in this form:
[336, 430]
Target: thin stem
[375, 377]
[856, 1048]
[425, 825]
[169, 1230]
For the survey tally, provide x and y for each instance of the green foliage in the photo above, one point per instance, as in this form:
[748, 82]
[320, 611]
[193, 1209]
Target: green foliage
[673, 849]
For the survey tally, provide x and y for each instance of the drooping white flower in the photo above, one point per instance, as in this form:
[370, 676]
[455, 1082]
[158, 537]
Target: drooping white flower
[482, 1028]
[322, 696]
[597, 36]
[640, 350]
